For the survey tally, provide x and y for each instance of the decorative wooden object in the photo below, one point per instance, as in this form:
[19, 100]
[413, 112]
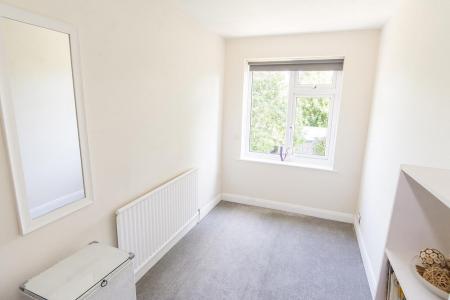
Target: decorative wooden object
[432, 257]
[431, 265]
[439, 277]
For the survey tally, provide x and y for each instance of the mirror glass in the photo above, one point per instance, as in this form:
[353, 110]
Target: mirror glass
[41, 96]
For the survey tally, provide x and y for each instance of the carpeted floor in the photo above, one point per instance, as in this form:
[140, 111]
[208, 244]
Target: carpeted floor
[245, 252]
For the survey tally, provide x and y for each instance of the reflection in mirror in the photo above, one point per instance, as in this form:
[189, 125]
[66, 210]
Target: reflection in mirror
[42, 100]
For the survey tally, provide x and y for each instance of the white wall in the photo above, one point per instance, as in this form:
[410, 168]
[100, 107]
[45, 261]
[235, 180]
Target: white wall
[335, 191]
[410, 114]
[152, 84]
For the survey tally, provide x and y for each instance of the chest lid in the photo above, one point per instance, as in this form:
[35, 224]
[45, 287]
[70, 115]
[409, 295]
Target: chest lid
[76, 274]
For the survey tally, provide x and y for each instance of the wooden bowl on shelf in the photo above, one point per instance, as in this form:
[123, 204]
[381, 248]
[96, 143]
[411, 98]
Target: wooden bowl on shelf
[418, 269]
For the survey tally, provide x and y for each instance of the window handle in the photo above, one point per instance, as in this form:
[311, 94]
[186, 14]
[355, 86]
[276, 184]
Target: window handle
[283, 153]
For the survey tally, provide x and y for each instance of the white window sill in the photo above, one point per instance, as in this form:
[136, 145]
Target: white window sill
[288, 164]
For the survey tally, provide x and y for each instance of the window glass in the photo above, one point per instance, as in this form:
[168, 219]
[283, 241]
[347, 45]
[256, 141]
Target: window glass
[311, 125]
[293, 111]
[316, 77]
[269, 106]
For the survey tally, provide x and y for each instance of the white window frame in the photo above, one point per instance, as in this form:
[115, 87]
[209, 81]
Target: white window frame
[295, 91]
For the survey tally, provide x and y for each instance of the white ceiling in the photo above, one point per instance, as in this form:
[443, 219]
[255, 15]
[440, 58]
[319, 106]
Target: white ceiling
[233, 18]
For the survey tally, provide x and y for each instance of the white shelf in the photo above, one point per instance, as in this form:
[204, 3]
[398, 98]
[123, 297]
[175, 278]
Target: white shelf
[411, 286]
[436, 181]
[420, 219]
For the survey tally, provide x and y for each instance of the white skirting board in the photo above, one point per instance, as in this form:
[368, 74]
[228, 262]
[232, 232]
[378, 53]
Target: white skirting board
[365, 258]
[289, 207]
[203, 211]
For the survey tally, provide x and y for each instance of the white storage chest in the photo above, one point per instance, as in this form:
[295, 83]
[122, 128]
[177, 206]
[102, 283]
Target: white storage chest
[96, 272]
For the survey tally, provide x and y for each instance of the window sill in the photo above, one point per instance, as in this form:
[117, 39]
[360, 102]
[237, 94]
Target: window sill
[288, 164]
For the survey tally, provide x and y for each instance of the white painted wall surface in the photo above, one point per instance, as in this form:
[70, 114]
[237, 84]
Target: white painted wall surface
[335, 191]
[152, 82]
[410, 115]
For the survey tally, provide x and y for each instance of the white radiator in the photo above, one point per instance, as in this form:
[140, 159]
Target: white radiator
[150, 225]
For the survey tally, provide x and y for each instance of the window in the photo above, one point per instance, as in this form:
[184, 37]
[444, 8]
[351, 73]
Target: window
[292, 109]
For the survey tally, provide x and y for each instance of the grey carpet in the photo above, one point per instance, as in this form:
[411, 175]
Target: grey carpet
[245, 252]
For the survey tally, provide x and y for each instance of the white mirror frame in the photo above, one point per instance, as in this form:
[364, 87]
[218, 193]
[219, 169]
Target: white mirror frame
[28, 224]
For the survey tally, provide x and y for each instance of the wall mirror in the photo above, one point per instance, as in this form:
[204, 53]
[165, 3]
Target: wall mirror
[43, 117]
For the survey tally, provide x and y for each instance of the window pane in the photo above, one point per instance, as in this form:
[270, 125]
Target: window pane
[316, 77]
[311, 125]
[268, 111]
